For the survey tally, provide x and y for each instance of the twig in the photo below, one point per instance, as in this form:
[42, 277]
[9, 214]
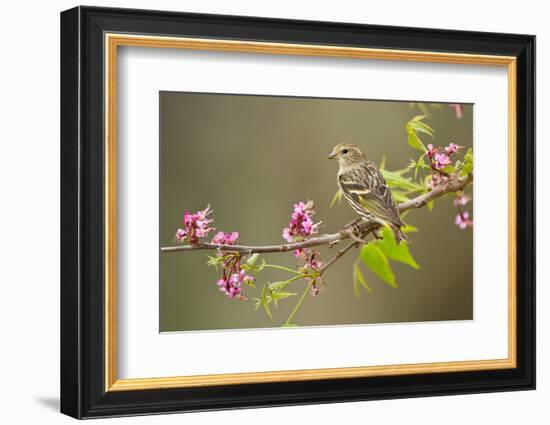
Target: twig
[452, 185]
[338, 255]
[298, 304]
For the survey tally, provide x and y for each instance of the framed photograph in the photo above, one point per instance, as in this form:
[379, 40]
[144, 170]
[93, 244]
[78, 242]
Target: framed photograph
[261, 212]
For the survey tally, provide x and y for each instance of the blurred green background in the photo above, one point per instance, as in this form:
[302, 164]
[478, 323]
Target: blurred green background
[252, 158]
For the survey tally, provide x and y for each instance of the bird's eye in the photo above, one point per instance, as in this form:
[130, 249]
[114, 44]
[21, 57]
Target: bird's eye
[344, 151]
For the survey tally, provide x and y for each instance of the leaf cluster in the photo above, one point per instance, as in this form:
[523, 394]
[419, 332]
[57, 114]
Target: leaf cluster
[272, 292]
[376, 256]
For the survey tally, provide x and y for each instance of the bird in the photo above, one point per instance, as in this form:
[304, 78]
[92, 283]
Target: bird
[366, 190]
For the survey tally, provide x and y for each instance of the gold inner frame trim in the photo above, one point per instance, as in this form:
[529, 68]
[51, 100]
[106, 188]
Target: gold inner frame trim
[113, 41]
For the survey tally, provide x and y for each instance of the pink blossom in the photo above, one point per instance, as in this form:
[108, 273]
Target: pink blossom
[462, 220]
[441, 160]
[231, 285]
[315, 264]
[180, 235]
[452, 148]
[301, 225]
[458, 108]
[222, 238]
[461, 200]
[234, 274]
[309, 263]
[309, 260]
[314, 289]
[307, 226]
[196, 226]
[301, 208]
[431, 150]
[287, 234]
[187, 218]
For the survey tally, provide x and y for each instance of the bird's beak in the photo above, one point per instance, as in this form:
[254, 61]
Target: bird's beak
[332, 155]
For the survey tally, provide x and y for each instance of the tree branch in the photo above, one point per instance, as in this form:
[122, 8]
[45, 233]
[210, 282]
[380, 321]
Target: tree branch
[452, 185]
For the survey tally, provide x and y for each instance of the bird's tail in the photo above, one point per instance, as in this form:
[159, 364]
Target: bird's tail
[399, 235]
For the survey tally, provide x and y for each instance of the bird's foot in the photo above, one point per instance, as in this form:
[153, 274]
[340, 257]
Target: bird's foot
[353, 223]
[357, 236]
[355, 232]
[358, 239]
[355, 227]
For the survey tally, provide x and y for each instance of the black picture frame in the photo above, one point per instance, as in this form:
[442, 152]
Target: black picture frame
[83, 392]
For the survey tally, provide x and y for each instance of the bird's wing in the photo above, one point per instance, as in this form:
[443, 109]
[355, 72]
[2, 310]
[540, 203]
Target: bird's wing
[367, 186]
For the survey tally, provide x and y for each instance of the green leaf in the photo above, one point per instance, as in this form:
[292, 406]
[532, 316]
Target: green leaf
[337, 198]
[281, 295]
[396, 252]
[216, 261]
[260, 267]
[251, 264]
[383, 163]
[417, 124]
[468, 163]
[399, 196]
[409, 228]
[359, 280]
[415, 142]
[423, 128]
[393, 179]
[420, 164]
[257, 304]
[375, 259]
[212, 262]
[467, 169]
[265, 300]
[430, 205]
[278, 286]
[449, 169]
[267, 309]
[275, 286]
[252, 260]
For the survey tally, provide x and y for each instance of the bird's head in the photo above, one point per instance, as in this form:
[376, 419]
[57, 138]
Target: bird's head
[346, 154]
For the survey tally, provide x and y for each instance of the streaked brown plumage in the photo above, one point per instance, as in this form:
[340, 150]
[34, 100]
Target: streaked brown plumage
[365, 188]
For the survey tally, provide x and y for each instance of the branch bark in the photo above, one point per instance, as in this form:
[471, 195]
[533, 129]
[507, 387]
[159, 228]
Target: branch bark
[452, 185]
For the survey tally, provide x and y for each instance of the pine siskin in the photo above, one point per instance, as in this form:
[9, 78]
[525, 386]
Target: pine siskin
[365, 188]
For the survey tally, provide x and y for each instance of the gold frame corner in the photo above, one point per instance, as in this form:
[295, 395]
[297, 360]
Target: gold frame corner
[114, 40]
